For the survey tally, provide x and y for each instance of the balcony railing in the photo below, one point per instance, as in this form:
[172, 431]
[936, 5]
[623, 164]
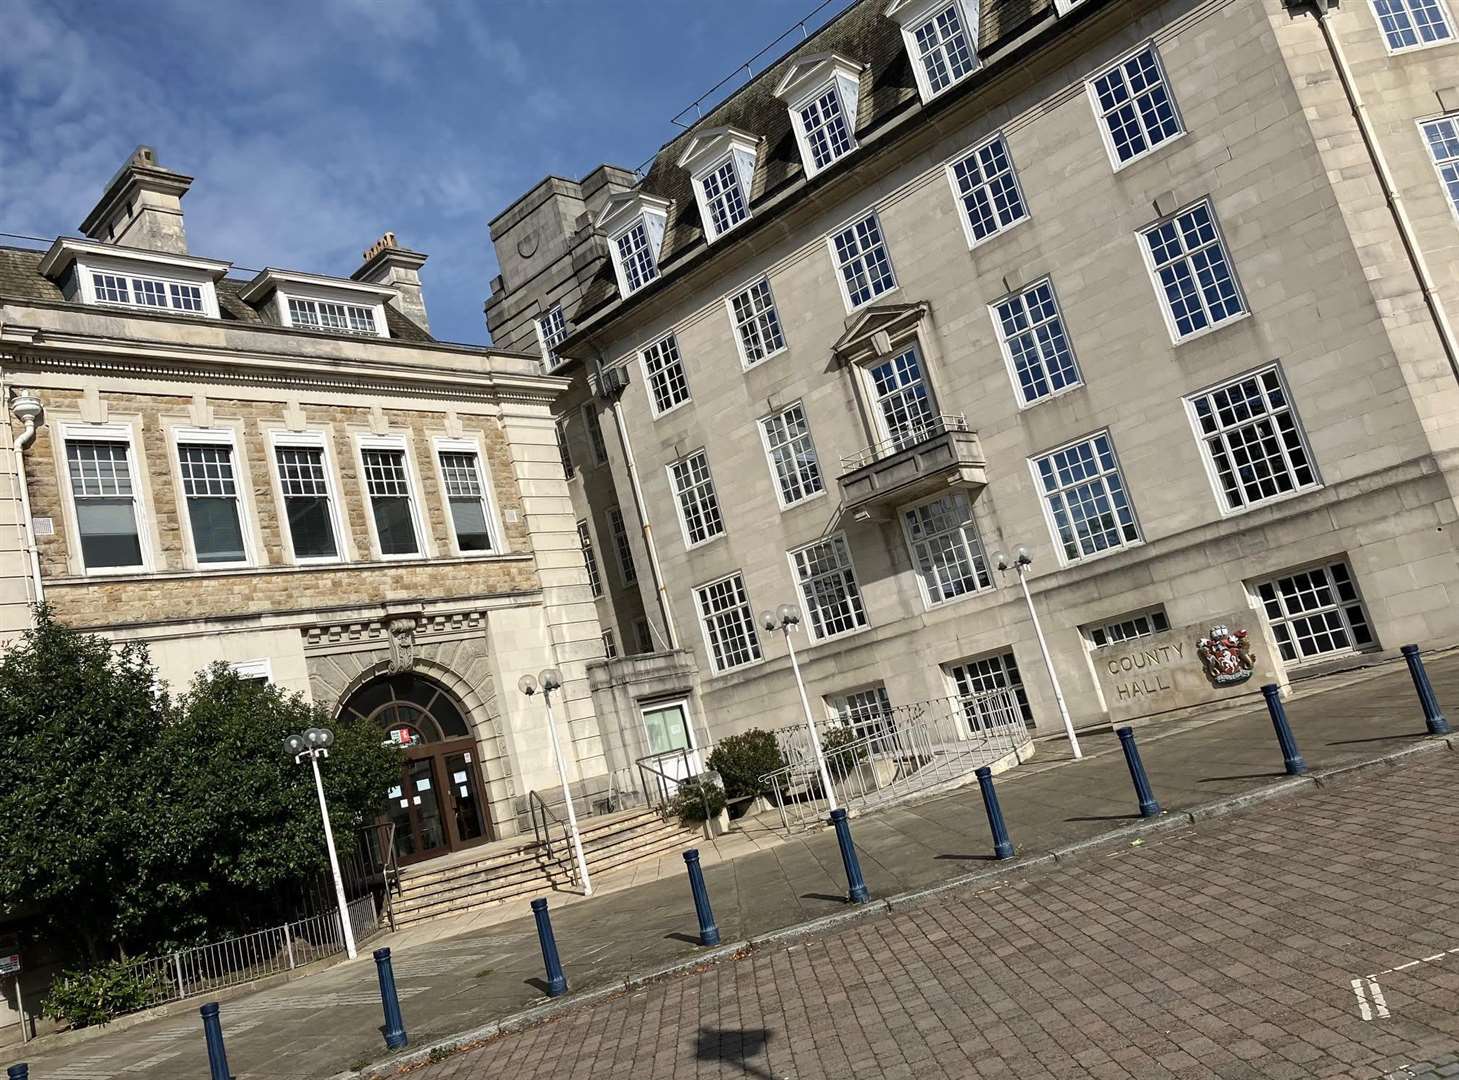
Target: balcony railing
[904, 440]
[913, 464]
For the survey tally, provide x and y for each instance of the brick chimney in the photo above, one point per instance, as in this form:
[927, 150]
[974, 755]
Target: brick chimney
[387, 263]
[142, 206]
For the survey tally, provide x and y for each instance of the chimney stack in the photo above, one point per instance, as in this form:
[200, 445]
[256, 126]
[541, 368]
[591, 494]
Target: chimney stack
[142, 206]
[387, 263]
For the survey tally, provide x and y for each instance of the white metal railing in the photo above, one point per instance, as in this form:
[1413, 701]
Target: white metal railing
[206, 968]
[893, 756]
[902, 439]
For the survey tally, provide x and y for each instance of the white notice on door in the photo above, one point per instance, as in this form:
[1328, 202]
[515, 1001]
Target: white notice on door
[459, 777]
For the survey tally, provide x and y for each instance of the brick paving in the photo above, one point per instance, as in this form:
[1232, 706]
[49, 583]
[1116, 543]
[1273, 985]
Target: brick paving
[1227, 950]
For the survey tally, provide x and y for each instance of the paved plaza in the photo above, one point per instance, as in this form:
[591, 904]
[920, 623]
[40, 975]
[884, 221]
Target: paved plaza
[1239, 932]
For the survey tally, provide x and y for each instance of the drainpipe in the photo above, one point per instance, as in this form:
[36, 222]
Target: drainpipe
[27, 409]
[1390, 189]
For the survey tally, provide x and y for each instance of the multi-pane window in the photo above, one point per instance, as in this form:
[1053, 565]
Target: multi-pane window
[636, 257]
[1442, 137]
[1411, 24]
[466, 497]
[645, 636]
[974, 678]
[1035, 342]
[1127, 628]
[1134, 105]
[862, 258]
[902, 403]
[590, 560]
[698, 503]
[1085, 495]
[551, 330]
[627, 572]
[729, 624]
[987, 187]
[828, 588]
[564, 451]
[1252, 440]
[328, 315]
[868, 713]
[827, 135]
[388, 486]
[610, 645]
[943, 49]
[724, 200]
[147, 292]
[106, 503]
[1315, 613]
[304, 484]
[1197, 286]
[792, 455]
[757, 323]
[663, 367]
[211, 491]
[595, 434]
[946, 548]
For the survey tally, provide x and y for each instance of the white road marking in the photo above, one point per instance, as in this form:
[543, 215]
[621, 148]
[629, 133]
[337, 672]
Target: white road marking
[1377, 993]
[156, 1059]
[1363, 1010]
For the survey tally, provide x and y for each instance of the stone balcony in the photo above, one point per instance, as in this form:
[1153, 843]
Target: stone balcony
[918, 464]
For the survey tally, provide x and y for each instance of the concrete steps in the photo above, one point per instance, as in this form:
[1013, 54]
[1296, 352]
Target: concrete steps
[518, 869]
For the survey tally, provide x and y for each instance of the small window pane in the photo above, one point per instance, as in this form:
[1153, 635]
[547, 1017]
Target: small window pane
[828, 587]
[106, 512]
[1412, 24]
[1253, 441]
[757, 322]
[668, 383]
[1135, 105]
[389, 490]
[211, 491]
[827, 135]
[863, 260]
[466, 499]
[1196, 282]
[988, 190]
[729, 623]
[306, 501]
[1035, 342]
[1086, 498]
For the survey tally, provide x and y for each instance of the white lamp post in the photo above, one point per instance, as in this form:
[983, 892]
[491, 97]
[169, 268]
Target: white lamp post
[1021, 562]
[782, 619]
[548, 681]
[314, 744]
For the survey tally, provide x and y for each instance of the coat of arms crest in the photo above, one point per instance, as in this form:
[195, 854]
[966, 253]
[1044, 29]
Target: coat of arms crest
[1226, 656]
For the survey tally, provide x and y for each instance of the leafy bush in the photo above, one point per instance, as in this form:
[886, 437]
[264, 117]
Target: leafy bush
[741, 760]
[96, 995]
[688, 801]
[838, 738]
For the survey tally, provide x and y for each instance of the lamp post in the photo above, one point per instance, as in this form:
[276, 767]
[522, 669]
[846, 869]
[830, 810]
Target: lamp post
[314, 744]
[548, 681]
[1021, 562]
[783, 618]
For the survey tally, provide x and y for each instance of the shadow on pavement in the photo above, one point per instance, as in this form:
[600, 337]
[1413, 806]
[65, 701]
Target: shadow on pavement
[823, 896]
[734, 1047]
[675, 935]
[1242, 776]
[971, 858]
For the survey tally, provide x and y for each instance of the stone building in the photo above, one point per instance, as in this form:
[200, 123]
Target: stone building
[1154, 289]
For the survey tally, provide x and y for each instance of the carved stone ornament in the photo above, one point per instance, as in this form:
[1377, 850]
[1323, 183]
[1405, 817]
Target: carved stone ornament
[1226, 655]
[402, 644]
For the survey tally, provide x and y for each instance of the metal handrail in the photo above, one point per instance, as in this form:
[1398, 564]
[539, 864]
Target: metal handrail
[667, 784]
[378, 844]
[543, 836]
[909, 437]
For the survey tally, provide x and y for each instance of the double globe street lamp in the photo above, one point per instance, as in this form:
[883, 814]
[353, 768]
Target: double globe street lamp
[1022, 560]
[784, 618]
[548, 681]
[314, 744]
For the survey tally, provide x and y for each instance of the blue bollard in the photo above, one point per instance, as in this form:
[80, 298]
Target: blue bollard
[556, 980]
[1433, 715]
[213, 1033]
[18, 1072]
[395, 1036]
[1002, 846]
[1148, 806]
[857, 892]
[708, 932]
[1291, 756]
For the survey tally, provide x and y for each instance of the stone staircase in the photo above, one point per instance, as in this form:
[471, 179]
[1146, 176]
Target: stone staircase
[518, 868]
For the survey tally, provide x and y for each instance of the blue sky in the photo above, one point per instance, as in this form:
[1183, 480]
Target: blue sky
[313, 126]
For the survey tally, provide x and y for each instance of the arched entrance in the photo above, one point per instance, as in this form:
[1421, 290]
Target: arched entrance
[439, 804]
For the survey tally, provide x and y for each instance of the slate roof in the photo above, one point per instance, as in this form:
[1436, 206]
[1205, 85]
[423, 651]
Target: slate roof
[888, 88]
[20, 277]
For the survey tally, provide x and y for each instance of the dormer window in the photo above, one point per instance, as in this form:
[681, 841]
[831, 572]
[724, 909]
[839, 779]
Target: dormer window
[941, 39]
[822, 92]
[329, 305]
[326, 315]
[634, 223]
[107, 275]
[721, 163]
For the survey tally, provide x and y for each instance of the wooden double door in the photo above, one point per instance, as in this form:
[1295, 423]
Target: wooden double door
[438, 806]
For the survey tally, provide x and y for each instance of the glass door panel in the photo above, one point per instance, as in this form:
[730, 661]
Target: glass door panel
[466, 800]
[425, 805]
[397, 812]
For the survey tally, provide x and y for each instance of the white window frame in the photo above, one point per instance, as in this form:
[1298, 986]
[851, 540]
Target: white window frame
[128, 270]
[424, 543]
[836, 539]
[610, 645]
[1103, 626]
[974, 547]
[741, 184]
[313, 440]
[762, 426]
[881, 429]
[1324, 565]
[1153, 270]
[1063, 7]
[756, 320]
[648, 381]
[950, 168]
[597, 445]
[548, 341]
[839, 267]
[1099, 116]
[1444, 10]
[615, 249]
[678, 499]
[1053, 527]
[1214, 476]
[1016, 688]
[441, 446]
[833, 85]
[913, 16]
[881, 724]
[262, 668]
[216, 436]
[589, 550]
[564, 449]
[1008, 360]
[113, 433]
[316, 295]
[702, 618]
[622, 547]
[1450, 196]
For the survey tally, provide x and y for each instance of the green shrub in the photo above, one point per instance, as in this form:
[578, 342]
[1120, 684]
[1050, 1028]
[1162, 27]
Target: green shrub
[741, 760]
[89, 996]
[688, 801]
[842, 765]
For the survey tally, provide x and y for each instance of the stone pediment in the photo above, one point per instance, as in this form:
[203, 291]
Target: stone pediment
[876, 330]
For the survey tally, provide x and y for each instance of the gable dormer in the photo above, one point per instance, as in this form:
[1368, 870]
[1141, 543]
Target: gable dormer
[313, 302]
[822, 92]
[721, 165]
[941, 37]
[634, 223]
[161, 282]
